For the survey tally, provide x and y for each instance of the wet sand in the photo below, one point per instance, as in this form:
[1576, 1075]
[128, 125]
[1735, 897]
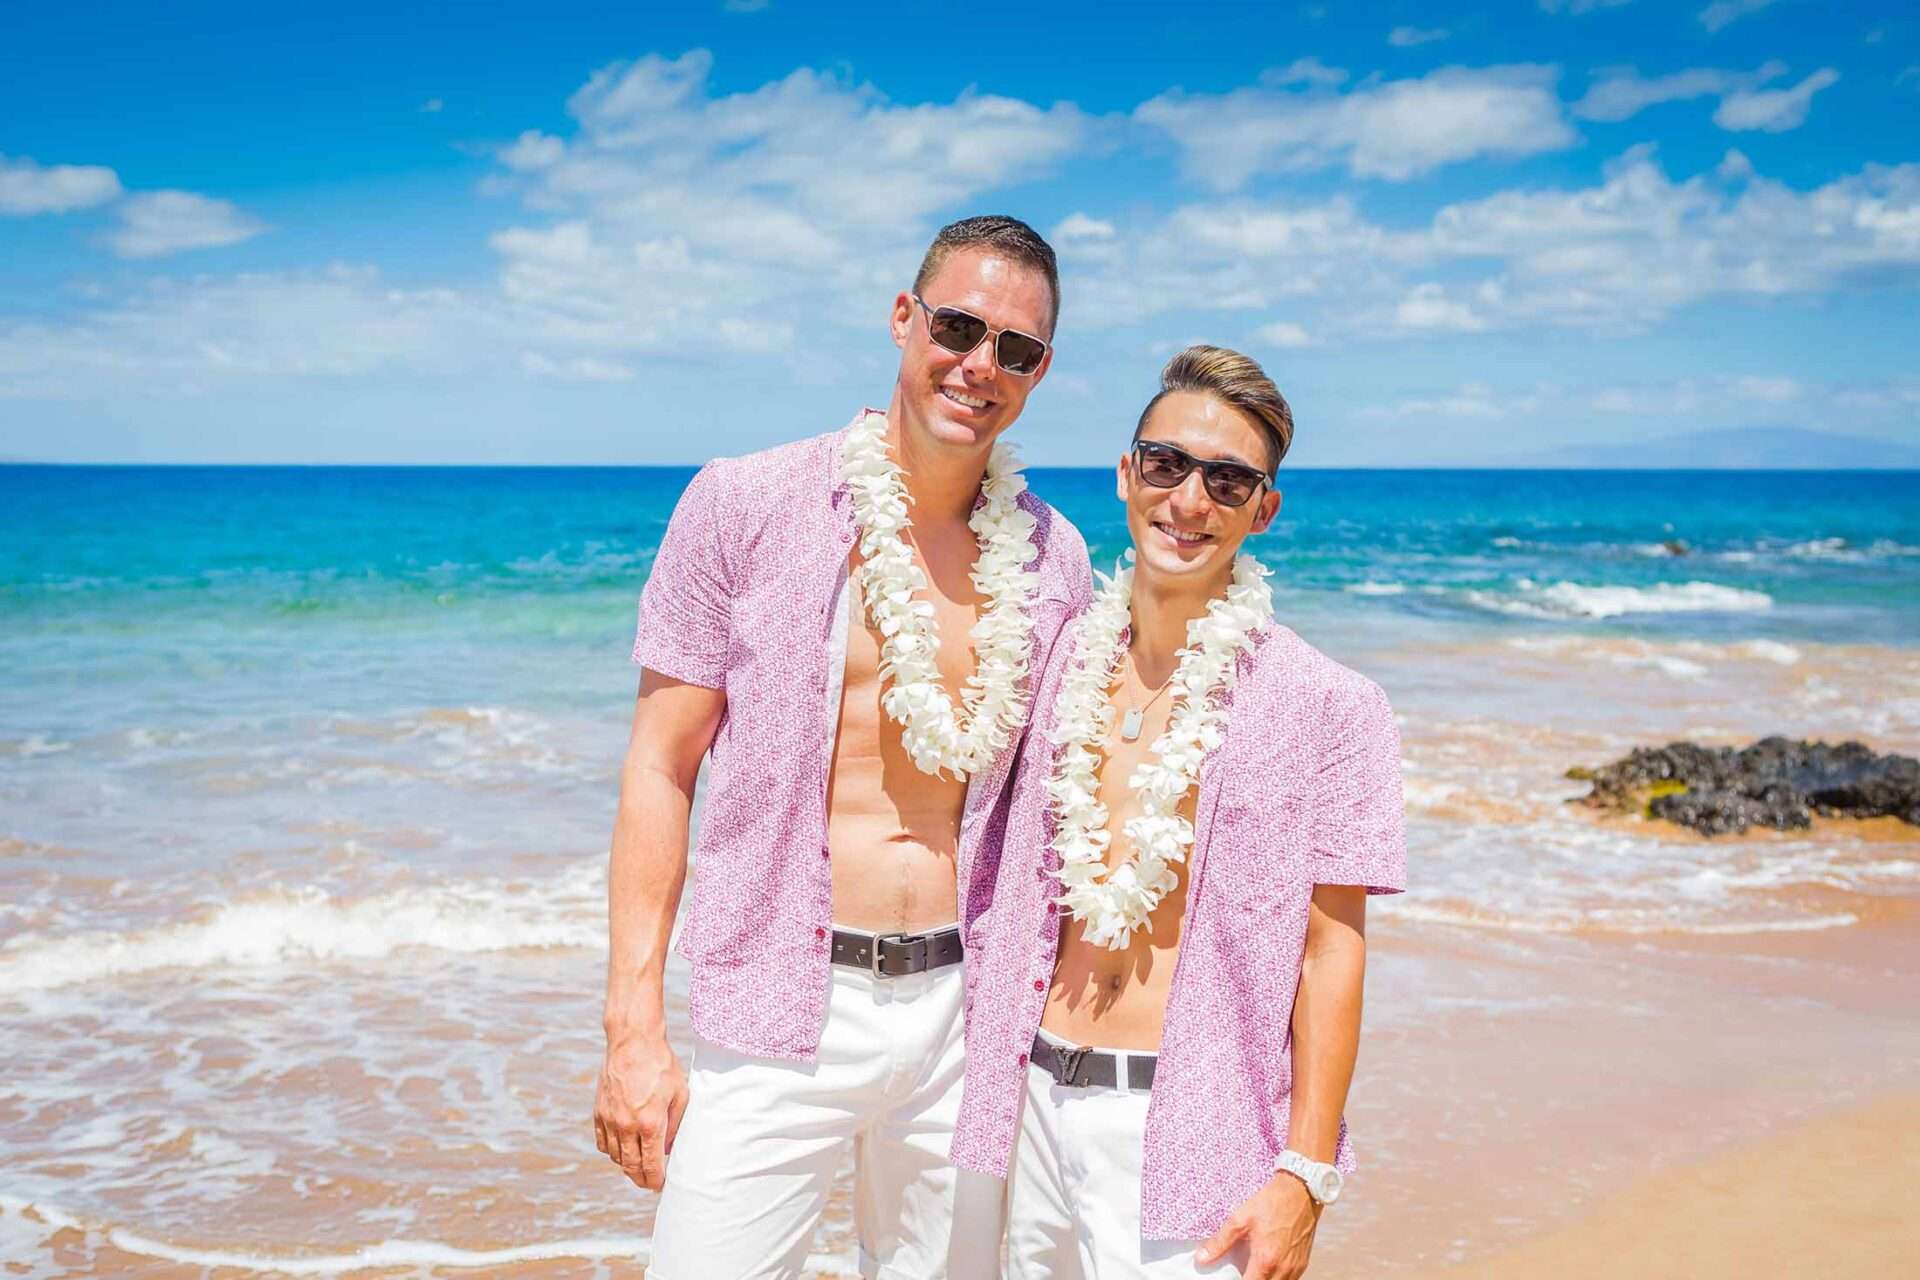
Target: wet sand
[1833, 1197]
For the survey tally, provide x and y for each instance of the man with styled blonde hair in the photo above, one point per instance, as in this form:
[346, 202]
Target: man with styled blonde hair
[1199, 785]
[849, 626]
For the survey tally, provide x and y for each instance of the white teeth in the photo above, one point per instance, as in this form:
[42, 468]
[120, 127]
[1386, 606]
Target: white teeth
[958, 398]
[1178, 536]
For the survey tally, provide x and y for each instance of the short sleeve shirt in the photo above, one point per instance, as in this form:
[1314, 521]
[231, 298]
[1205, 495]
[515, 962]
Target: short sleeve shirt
[745, 597]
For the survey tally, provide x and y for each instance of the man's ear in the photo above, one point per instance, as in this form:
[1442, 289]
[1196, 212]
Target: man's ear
[1123, 478]
[1269, 508]
[900, 322]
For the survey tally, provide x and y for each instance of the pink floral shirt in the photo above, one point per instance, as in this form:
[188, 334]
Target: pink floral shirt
[1304, 790]
[747, 595]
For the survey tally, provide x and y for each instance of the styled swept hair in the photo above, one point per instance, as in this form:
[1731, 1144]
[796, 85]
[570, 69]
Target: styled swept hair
[1235, 380]
[1009, 237]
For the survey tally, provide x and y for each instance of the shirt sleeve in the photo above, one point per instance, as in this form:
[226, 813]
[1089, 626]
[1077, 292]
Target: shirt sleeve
[1359, 823]
[686, 606]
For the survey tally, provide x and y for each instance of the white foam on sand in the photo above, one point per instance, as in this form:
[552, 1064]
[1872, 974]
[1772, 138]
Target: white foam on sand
[18, 1227]
[484, 915]
[1376, 588]
[27, 1226]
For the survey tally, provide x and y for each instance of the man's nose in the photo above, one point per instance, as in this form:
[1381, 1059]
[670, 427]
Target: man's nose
[979, 363]
[1191, 501]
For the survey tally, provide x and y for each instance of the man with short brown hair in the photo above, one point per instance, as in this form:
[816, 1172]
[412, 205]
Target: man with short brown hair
[813, 638]
[1199, 785]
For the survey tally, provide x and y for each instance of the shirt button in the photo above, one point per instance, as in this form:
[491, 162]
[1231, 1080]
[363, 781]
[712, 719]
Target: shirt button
[1039, 984]
[1053, 908]
[1023, 1059]
[825, 852]
[819, 934]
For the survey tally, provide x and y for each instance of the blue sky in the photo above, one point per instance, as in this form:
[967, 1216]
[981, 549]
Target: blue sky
[510, 234]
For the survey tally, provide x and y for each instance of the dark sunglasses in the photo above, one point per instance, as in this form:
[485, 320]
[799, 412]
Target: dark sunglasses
[1165, 466]
[961, 331]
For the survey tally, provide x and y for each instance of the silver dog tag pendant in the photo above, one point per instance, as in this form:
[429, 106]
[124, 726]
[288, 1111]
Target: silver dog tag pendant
[1131, 724]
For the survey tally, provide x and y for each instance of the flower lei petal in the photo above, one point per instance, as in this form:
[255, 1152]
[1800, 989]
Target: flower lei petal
[995, 695]
[1112, 902]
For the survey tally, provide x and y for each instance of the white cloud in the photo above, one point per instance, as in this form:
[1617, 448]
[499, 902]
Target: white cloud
[1773, 110]
[532, 150]
[156, 223]
[676, 216]
[1620, 93]
[1408, 37]
[180, 336]
[433, 106]
[1471, 400]
[1285, 335]
[1393, 129]
[1078, 227]
[1580, 6]
[1618, 255]
[1308, 70]
[27, 188]
[574, 368]
[1722, 13]
[1428, 309]
[745, 6]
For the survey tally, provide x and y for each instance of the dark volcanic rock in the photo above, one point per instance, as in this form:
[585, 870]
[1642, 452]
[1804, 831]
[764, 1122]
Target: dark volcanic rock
[1776, 782]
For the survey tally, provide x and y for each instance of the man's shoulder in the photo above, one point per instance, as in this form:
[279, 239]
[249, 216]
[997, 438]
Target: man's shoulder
[1286, 666]
[794, 464]
[1062, 565]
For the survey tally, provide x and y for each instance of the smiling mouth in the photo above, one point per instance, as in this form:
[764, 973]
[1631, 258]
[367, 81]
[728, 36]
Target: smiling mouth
[964, 400]
[1183, 537]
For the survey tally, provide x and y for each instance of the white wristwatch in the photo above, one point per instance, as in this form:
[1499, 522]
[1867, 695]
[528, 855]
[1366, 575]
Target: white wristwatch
[1323, 1180]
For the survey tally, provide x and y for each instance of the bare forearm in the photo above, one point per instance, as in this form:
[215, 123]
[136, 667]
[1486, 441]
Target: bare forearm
[1326, 1043]
[645, 875]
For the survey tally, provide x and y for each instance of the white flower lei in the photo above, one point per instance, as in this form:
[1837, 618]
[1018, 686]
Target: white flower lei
[995, 696]
[1113, 903]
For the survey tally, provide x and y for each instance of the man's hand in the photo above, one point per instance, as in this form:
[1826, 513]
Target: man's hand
[637, 1108]
[1277, 1223]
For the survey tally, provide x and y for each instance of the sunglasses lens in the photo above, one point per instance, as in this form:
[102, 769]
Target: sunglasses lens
[1231, 488]
[1018, 353]
[1162, 468]
[955, 330]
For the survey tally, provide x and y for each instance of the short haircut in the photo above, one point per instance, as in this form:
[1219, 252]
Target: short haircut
[1235, 380]
[1008, 237]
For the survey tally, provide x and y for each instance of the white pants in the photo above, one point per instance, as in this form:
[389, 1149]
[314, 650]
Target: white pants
[762, 1140]
[1073, 1197]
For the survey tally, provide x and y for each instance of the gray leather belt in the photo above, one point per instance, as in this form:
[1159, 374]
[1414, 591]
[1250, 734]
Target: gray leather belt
[1081, 1068]
[895, 955]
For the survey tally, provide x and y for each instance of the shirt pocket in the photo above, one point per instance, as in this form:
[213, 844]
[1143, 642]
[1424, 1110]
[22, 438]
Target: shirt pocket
[1258, 845]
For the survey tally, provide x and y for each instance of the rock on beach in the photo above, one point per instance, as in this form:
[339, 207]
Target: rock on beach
[1777, 782]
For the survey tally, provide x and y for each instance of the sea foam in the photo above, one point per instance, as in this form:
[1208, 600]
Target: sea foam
[1567, 600]
[308, 923]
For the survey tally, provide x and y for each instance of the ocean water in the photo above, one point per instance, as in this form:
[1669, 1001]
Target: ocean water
[306, 776]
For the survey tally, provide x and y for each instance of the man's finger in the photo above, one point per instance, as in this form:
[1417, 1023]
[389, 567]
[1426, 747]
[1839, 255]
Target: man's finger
[1222, 1240]
[676, 1111]
[626, 1148]
[653, 1156]
[600, 1136]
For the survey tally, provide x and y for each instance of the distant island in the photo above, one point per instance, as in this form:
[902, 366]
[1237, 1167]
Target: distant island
[1731, 449]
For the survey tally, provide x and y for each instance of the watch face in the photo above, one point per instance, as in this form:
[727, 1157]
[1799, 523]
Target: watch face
[1328, 1188]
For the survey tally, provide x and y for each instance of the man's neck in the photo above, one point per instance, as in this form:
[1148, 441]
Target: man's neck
[943, 483]
[1161, 612]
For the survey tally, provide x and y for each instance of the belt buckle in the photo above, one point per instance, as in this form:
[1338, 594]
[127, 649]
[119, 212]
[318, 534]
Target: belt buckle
[1071, 1060]
[873, 961]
